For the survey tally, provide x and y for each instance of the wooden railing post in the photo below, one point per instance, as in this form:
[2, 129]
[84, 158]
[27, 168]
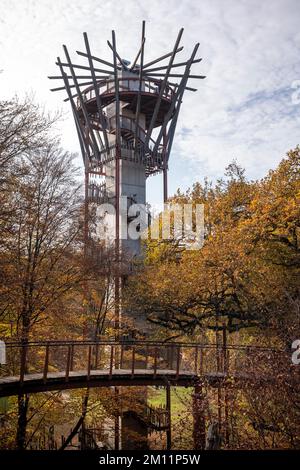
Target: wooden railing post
[72, 358]
[111, 361]
[172, 356]
[23, 362]
[89, 362]
[178, 362]
[46, 364]
[224, 349]
[68, 364]
[196, 360]
[121, 356]
[228, 360]
[133, 362]
[96, 355]
[146, 357]
[116, 357]
[155, 363]
[217, 358]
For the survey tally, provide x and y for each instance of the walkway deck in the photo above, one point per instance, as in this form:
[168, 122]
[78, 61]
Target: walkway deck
[34, 383]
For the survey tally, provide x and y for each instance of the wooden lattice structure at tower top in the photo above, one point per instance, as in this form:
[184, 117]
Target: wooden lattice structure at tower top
[128, 92]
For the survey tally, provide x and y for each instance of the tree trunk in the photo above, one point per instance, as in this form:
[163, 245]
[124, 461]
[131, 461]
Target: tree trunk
[23, 401]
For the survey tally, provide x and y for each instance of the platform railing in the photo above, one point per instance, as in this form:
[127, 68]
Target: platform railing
[153, 162]
[130, 85]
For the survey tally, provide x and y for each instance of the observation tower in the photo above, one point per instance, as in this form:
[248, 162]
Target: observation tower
[125, 115]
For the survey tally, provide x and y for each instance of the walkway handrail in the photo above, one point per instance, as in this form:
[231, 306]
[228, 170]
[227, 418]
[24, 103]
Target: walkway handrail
[66, 342]
[61, 362]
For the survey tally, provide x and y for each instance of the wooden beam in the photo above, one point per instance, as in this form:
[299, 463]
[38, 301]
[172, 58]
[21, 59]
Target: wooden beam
[79, 77]
[117, 108]
[67, 372]
[172, 128]
[75, 112]
[89, 365]
[178, 95]
[178, 75]
[46, 364]
[85, 67]
[181, 64]
[73, 96]
[71, 86]
[23, 361]
[81, 140]
[155, 362]
[117, 55]
[111, 362]
[97, 59]
[178, 362]
[196, 361]
[98, 98]
[82, 103]
[187, 87]
[133, 362]
[138, 54]
[162, 57]
[162, 88]
[138, 102]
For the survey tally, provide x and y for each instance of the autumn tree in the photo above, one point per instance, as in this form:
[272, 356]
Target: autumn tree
[250, 252]
[24, 126]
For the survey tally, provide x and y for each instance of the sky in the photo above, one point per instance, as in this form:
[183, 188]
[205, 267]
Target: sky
[247, 108]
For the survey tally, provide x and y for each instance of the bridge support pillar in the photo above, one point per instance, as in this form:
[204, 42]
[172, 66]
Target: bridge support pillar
[199, 417]
[168, 405]
[117, 422]
[134, 432]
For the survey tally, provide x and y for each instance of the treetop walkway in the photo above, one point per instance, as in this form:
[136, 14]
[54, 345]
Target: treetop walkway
[57, 365]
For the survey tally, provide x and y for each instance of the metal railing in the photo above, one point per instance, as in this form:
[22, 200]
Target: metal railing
[128, 84]
[153, 162]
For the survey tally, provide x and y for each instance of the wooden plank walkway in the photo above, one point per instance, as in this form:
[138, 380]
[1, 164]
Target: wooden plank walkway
[33, 383]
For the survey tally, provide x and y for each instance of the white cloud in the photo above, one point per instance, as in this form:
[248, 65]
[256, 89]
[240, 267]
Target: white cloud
[250, 51]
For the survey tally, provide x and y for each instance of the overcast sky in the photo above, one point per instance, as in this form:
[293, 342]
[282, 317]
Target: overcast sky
[242, 110]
